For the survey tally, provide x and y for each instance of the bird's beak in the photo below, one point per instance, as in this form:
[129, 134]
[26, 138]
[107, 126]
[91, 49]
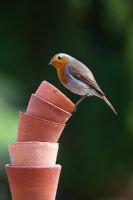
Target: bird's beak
[50, 64]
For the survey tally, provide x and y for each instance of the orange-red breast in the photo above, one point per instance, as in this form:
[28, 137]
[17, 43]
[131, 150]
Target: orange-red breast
[77, 78]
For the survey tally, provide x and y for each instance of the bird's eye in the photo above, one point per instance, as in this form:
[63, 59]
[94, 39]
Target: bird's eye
[59, 58]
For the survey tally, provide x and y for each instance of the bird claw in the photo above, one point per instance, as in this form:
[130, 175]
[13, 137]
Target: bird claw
[75, 110]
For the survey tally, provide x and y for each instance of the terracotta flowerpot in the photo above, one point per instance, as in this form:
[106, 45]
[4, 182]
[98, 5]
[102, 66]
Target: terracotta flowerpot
[43, 109]
[41, 154]
[33, 183]
[36, 129]
[50, 93]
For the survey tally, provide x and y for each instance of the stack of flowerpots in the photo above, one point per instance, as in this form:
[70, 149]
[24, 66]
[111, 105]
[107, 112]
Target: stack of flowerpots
[33, 172]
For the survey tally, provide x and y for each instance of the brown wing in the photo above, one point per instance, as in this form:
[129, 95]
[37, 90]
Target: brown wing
[79, 71]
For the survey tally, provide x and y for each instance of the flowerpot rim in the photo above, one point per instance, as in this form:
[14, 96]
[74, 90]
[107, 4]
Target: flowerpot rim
[41, 119]
[45, 83]
[50, 144]
[43, 100]
[33, 167]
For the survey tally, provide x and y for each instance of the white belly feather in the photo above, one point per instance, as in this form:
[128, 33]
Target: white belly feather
[76, 86]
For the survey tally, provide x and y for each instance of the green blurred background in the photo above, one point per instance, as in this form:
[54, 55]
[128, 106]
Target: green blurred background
[96, 147]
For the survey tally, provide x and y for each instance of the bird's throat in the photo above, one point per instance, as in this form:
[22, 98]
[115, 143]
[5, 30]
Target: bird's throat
[62, 75]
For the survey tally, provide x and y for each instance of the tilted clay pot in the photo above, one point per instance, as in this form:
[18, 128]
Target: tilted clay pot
[43, 109]
[36, 129]
[41, 154]
[50, 93]
[33, 183]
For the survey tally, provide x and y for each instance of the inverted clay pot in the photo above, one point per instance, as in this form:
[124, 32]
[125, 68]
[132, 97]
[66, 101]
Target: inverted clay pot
[50, 93]
[41, 154]
[43, 109]
[36, 129]
[33, 183]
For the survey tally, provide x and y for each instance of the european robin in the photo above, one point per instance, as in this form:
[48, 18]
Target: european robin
[77, 78]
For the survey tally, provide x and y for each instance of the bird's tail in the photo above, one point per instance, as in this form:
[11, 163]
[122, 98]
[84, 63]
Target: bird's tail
[109, 104]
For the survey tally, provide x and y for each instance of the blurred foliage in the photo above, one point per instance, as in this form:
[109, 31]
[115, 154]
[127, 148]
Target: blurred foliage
[96, 147]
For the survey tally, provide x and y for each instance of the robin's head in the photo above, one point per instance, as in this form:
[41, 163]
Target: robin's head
[60, 60]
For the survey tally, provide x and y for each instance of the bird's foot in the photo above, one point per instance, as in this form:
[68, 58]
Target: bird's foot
[75, 110]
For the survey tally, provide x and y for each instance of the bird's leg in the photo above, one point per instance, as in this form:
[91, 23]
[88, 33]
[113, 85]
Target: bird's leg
[80, 100]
